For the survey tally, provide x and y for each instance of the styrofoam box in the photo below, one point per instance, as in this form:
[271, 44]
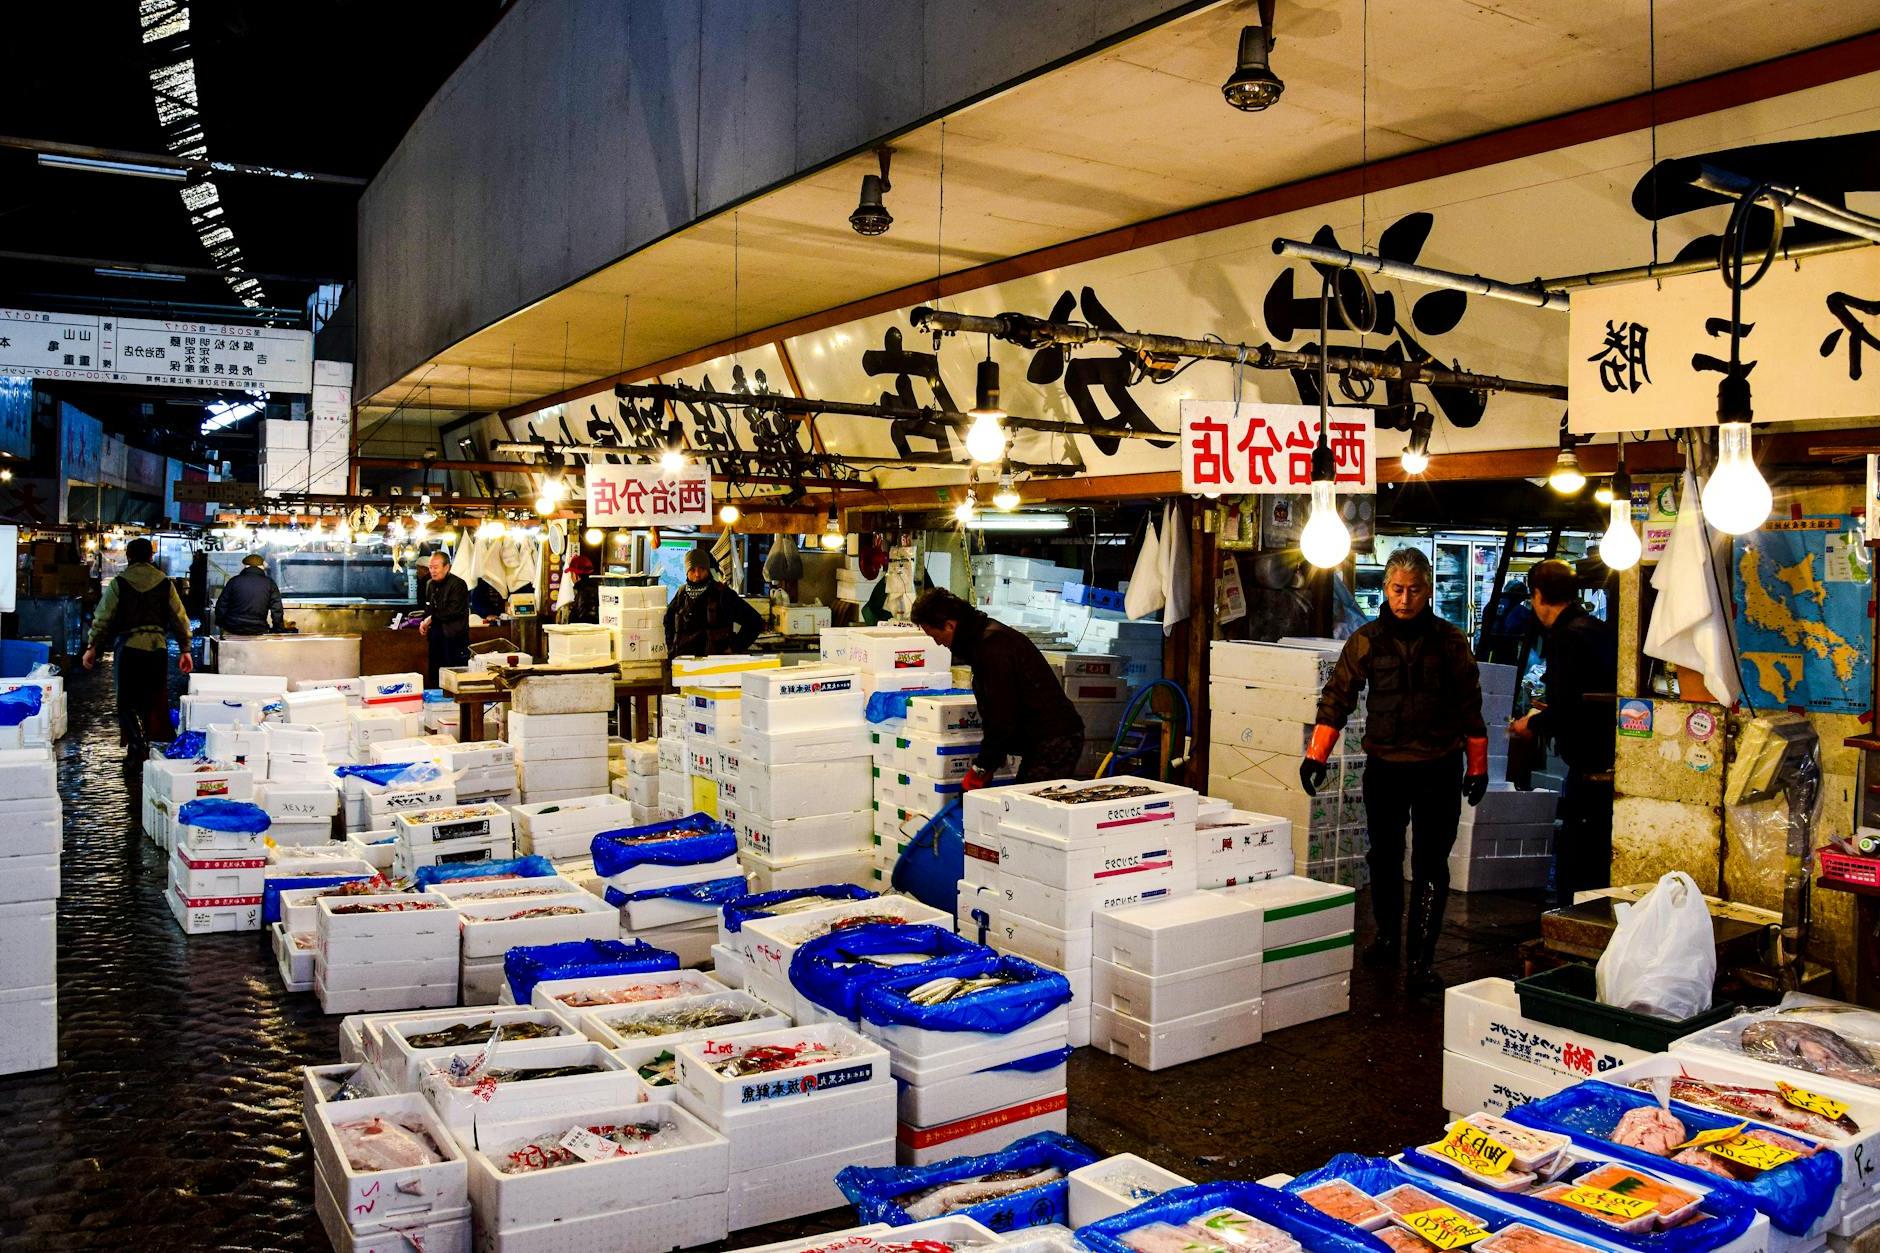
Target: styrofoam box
[584, 816]
[1113, 858]
[386, 689]
[982, 811]
[1167, 805]
[1278, 665]
[823, 835]
[1483, 1019]
[586, 774]
[799, 682]
[478, 754]
[1272, 735]
[378, 1200]
[716, 1098]
[207, 915]
[1472, 1084]
[1071, 909]
[608, 1025]
[1157, 1046]
[906, 680]
[1236, 700]
[1108, 1187]
[804, 713]
[406, 860]
[1307, 961]
[385, 936]
[1304, 1002]
[780, 874]
[490, 931]
[192, 874]
[639, 918]
[549, 993]
[661, 874]
[269, 686]
[938, 756]
[399, 1062]
[294, 961]
[787, 791]
[792, 1189]
[877, 650]
[463, 1107]
[296, 801]
[447, 1232]
[943, 715]
[789, 748]
[723, 669]
[770, 943]
[199, 713]
[29, 944]
[983, 1133]
[31, 1040]
[1179, 994]
[1294, 909]
[449, 825]
[522, 728]
[1041, 942]
[938, 1103]
[180, 781]
[376, 807]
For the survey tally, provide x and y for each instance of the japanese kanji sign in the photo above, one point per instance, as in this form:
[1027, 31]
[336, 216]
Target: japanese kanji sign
[640, 496]
[1267, 449]
[105, 349]
[1641, 357]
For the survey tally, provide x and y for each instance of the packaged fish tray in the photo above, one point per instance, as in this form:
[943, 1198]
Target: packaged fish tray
[1566, 996]
[1835, 1042]
[725, 1077]
[1011, 1008]
[1225, 1218]
[569, 996]
[833, 971]
[1786, 1177]
[1025, 1184]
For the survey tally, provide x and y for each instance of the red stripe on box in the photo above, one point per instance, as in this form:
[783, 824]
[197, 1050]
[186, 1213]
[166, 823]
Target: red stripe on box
[982, 853]
[215, 902]
[1130, 822]
[220, 863]
[927, 1137]
[1136, 869]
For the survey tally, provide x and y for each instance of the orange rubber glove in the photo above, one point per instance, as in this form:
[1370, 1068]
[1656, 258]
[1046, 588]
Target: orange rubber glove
[974, 780]
[1314, 768]
[1475, 774]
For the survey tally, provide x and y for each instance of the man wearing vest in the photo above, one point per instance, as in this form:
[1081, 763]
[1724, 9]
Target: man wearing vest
[142, 606]
[707, 618]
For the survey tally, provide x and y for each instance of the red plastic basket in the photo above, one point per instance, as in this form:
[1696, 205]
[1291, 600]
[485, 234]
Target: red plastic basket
[1862, 870]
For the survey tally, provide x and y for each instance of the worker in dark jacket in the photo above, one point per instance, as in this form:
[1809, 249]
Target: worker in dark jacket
[141, 606]
[1425, 749]
[250, 603]
[707, 618]
[446, 624]
[586, 605]
[1582, 679]
[1023, 711]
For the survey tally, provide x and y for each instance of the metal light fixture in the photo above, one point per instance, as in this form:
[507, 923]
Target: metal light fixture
[99, 165]
[1036, 522]
[832, 533]
[985, 438]
[1567, 477]
[1324, 540]
[871, 216]
[1253, 85]
[1416, 452]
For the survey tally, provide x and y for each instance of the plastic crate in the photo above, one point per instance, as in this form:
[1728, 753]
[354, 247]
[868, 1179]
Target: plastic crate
[1861, 870]
[1565, 997]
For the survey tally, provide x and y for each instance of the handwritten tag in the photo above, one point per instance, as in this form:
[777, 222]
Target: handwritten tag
[1704, 1139]
[1603, 1201]
[1756, 1154]
[1445, 1228]
[589, 1147]
[1476, 1149]
[1813, 1102]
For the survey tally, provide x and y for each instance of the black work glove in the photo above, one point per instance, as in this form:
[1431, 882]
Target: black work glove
[1474, 788]
[1312, 775]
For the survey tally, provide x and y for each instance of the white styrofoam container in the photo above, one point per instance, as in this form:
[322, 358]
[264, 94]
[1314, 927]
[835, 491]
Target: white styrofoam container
[1113, 860]
[402, 1063]
[179, 781]
[1472, 1083]
[1156, 1046]
[688, 1222]
[509, 888]
[1106, 1188]
[489, 931]
[943, 715]
[522, 729]
[1307, 961]
[1041, 942]
[717, 1097]
[987, 1133]
[1182, 994]
[1483, 1019]
[1166, 805]
[462, 1107]
[768, 874]
[822, 787]
[799, 682]
[1072, 909]
[940, 1102]
[378, 1200]
[31, 1038]
[347, 938]
[1304, 1002]
[29, 944]
[192, 875]
[567, 997]
[585, 774]
[1197, 931]
[789, 748]
[207, 915]
[445, 1231]
[770, 943]
[793, 1188]
[608, 1025]
[806, 713]
[782, 839]
[381, 999]
[1296, 909]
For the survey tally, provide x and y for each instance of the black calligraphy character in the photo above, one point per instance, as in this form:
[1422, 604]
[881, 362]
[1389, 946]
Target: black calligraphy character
[1844, 306]
[1723, 326]
[1112, 374]
[1621, 357]
[905, 366]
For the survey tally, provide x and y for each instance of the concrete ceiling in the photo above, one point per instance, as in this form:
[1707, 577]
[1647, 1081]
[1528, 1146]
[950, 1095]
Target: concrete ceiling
[1134, 133]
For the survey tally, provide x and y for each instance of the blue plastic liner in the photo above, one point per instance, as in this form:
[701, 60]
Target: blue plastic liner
[873, 1189]
[997, 1010]
[580, 959]
[1036, 1064]
[187, 746]
[886, 706]
[934, 862]
[19, 705]
[709, 892]
[530, 867]
[215, 814]
[759, 904]
[834, 970]
[387, 772]
[1795, 1196]
[271, 890]
[696, 840]
[1317, 1232]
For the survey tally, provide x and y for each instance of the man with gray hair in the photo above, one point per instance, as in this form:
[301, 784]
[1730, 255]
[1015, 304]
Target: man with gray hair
[1425, 746]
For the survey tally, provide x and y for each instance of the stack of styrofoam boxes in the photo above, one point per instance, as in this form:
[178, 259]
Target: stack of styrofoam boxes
[1495, 1059]
[491, 927]
[391, 707]
[238, 743]
[1174, 981]
[1233, 846]
[649, 890]
[1137, 645]
[286, 463]
[300, 810]
[327, 709]
[565, 830]
[889, 657]
[639, 782]
[1099, 693]
[451, 835]
[803, 784]
[387, 951]
[294, 878]
[369, 807]
[375, 1211]
[296, 754]
[329, 429]
[49, 724]
[792, 1130]
[1022, 592]
[1062, 860]
[1306, 928]
[170, 784]
[29, 892]
[216, 876]
[222, 699]
[558, 725]
[675, 787]
[1263, 704]
[712, 732]
[635, 618]
[579, 644]
[919, 761]
[442, 714]
[485, 770]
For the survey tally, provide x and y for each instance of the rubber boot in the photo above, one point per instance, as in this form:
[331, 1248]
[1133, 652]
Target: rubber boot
[1387, 908]
[1426, 924]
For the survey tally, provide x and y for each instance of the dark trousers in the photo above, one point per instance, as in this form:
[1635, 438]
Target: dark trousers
[143, 694]
[1583, 845]
[1426, 798]
[1055, 758]
[444, 650]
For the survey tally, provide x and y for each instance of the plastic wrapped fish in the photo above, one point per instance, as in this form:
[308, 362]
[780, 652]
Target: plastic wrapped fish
[1673, 1204]
[1762, 1104]
[548, 1150]
[1401, 1240]
[1534, 1150]
[1811, 1047]
[537, 911]
[767, 1058]
[631, 994]
[962, 1193]
[687, 1018]
[1346, 1202]
[465, 1034]
[1407, 1199]
[385, 1144]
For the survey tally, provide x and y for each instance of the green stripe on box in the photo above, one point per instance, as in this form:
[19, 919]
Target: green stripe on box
[1311, 907]
[1344, 939]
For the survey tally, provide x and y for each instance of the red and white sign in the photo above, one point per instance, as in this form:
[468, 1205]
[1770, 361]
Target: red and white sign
[1257, 449]
[646, 496]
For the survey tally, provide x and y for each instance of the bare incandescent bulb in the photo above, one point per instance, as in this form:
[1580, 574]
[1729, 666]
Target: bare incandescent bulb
[1736, 499]
[1325, 541]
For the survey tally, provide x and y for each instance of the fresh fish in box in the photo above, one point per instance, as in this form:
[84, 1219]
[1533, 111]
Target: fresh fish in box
[823, 927]
[465, 1034]
[938, 991]
[385, 907]
[507, 894]
[1762, 1104]
[1233, 1230]
[1521, 1238]
[767, 1058]
[552, 1149]
[1407, 1198]
[686, 1018]
[963, 1193]
[544, 1072]
[1085, 794]
[1533, 1150]
[1673, 1204]
[1806, 1046]
[1347, 1203]
[1709, 1163]
[632, 994]
[538, 911]
[1726, 1168]
[384, 1144]
[661, 1071]
[1654, 1130]
[1134, 1186]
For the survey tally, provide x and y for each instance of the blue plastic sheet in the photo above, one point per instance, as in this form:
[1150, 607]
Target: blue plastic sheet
[834, 970]
[19, 705]
[531, 867]
[1000, 1010]
[580, 959]
[873, 1189]
[1315, 1231]
[709, 892]
[388, 772]
[761, 904]
[695, 840]
[187, 746]
[215, 814]
[934, 862]
[1795, 1196]
[887, 706]
[271, 890]
[1036, 1064]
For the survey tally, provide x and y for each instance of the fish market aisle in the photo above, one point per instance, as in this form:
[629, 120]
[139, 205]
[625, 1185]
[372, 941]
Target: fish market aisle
[173, 1121]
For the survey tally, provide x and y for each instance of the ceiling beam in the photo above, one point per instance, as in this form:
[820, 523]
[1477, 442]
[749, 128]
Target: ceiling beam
[193, 165]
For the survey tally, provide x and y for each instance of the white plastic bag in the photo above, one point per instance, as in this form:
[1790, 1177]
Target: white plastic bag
[1144, 594]
[1662, 959]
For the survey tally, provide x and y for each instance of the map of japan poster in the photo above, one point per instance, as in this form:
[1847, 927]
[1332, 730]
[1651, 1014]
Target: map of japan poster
[1803, 587]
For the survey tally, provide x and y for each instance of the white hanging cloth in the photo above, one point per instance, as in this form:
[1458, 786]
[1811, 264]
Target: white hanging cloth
[1145, 594]
[1690, 626]
[1175, 561]
[464, 563]
[731, 571]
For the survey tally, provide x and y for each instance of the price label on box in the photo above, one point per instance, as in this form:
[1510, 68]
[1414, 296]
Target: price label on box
[1476, 1149]
[1445, 1228]
[1813, 1102]
[1605, 1201]
[1754, 1153]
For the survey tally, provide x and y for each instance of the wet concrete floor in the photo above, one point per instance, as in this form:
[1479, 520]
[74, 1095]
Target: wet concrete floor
[173, 1119]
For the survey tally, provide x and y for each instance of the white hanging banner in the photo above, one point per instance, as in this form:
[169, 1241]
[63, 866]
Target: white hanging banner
[1640, 357]
[107, 349]
[1259, 449]
[643, 496]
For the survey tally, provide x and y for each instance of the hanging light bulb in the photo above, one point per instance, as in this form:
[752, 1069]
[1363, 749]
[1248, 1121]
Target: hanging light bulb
[985, 438]
[832, 538]
[6, 476]
[492, 528]
[342, 530]
[447, 536]
[1602, 495]
[1619, 547]
[1567, 477]
[1324, 540]
[1416, 451]
[592, 537]
[1736, 498]
[964, 511]
[1006, 499]
[419, 531]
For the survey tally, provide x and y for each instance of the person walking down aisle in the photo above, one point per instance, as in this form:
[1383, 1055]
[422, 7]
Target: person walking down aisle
[1023, 710]
[586, 603]
[1424, 718]
[1582, 682]
[707, 618]
[250, 603]
[446, 625]
[141, 606]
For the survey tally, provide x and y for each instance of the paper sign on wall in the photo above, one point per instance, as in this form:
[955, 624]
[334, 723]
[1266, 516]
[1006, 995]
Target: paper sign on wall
[645, 496]
[1267, 449]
